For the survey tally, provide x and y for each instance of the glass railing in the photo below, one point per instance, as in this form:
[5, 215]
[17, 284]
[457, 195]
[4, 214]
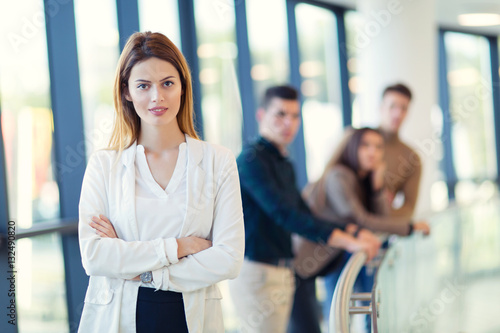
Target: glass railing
[448, 281]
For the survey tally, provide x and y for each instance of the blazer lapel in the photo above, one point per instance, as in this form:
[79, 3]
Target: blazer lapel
[195, 182]
[128, 189]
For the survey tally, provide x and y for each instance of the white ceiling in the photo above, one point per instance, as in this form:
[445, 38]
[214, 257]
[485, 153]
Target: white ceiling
[447, 12]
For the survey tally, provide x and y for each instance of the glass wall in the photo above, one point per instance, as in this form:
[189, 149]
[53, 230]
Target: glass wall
[471, 112]
[33, 194]
[26, 114]
[97, 56]
[268, 40]
[353, 23]
[453, 274]
[217, 53]
[41, 290]
[160, 16]
[319, 69]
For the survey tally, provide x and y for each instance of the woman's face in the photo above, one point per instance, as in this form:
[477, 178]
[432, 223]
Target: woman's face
[155, 89]
[370, 151]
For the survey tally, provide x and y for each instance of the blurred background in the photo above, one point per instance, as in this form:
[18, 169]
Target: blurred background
[58, 60]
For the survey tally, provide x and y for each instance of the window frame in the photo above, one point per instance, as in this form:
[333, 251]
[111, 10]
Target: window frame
[447, 164]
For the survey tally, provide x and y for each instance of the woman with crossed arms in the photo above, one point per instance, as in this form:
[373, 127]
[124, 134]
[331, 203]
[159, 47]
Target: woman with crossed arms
[160, 211]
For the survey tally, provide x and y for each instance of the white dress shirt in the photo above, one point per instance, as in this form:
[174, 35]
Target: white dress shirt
[160, 212]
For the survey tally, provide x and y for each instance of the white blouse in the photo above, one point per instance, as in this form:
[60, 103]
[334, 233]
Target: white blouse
[160, 212]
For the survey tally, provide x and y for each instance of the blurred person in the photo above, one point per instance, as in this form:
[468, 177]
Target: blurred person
[403, 165]
[273, 209]
[352, 190]
[160, 214]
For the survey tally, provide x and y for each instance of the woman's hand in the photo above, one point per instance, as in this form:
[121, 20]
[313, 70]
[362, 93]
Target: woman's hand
[366, 235]
[103, 227]
[369, 243]
[191, 245]
[366, 241]
[422, 227]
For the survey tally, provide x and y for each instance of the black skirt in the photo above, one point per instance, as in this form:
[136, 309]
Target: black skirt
[160, 311]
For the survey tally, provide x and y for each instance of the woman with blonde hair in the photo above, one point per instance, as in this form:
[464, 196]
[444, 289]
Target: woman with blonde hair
[160, 210]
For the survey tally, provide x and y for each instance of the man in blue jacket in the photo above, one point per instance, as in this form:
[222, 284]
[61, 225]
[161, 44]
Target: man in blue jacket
[273, 209]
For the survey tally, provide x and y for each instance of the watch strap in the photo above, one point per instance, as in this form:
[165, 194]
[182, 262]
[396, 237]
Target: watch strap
[146, 277]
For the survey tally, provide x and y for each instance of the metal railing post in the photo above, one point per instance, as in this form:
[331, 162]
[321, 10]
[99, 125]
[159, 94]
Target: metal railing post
[340, 311]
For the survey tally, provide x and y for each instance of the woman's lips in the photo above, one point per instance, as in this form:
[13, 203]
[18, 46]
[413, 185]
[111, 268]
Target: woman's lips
[158, 111]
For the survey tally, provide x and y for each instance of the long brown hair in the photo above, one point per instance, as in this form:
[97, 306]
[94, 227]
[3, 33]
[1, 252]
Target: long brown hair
[142, 46]
[346, 154]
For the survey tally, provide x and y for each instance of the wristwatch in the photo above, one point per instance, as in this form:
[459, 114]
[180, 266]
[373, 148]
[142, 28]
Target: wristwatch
[146, 277]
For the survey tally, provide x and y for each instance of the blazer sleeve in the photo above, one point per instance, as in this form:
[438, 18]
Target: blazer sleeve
[342, 197]
[223, 260]
[109, 257]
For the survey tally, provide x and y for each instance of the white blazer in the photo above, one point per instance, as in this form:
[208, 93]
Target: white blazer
[214, 212]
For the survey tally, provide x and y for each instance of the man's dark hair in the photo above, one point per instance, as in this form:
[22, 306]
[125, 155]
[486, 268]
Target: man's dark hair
[399, 88]
[283, 92]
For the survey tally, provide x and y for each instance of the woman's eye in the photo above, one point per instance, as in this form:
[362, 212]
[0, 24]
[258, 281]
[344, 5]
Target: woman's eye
[142, 86]
[168, 83]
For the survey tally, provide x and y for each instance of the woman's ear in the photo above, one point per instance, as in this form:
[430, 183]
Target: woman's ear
[126, 94]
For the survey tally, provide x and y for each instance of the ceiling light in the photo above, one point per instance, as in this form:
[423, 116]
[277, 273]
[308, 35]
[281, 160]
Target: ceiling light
[479, 19]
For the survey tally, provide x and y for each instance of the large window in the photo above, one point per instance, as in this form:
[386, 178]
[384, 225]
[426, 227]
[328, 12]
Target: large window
[26, 115]
[160, 16]
[471, 111]
[41, 290]
[97, 56]
[217, 52]
[33, 194]
[353, 23]
[319, 69]
[268, 39]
